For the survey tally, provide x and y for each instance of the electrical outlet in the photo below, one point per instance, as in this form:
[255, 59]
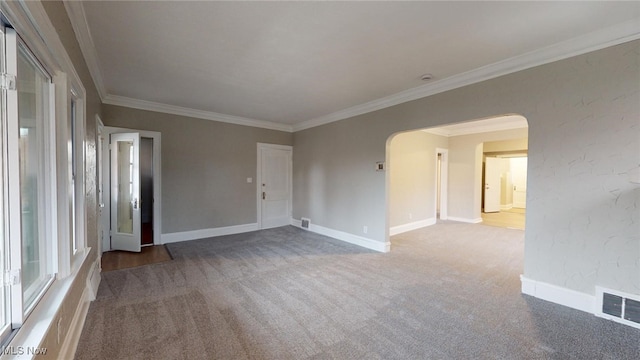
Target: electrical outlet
[410, 216]
[365, 229]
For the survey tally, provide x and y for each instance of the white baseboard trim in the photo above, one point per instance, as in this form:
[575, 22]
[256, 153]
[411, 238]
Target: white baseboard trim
[70, 343]
[346, 237]
[206, 233]
[465, 220]
[559, 295]
[411, 226]
[506, 207]
[94, 278]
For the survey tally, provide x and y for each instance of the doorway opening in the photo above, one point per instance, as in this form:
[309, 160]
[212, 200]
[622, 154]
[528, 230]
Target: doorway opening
[146, 190]
[436, 174]
[132, 205]
[504, 183]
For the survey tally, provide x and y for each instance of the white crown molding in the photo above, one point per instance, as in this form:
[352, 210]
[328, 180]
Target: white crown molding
[482, 126]
[78, 19]
[593, 41]
[596, 40]
[438, 131]
[199, 114]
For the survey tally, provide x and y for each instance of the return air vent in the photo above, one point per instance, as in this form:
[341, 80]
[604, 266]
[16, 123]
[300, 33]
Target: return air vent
[305, 223]
[618, 306]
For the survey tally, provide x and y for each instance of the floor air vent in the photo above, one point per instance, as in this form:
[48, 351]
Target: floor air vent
[305, 223]
[618, 306]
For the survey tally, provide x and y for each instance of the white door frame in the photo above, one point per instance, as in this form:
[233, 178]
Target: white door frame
[100, 140]
[262, 146]
[157, 183]
[444, 182]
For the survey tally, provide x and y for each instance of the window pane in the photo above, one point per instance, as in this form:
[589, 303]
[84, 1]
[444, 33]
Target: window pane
[32, 112]
[72, 180]
[125, 187]
[4, 301]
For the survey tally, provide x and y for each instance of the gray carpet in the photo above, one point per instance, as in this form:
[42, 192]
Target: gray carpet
[450, 291]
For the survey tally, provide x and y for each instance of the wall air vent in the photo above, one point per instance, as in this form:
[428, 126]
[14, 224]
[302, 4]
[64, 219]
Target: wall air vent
[618, 306]
[305, 223]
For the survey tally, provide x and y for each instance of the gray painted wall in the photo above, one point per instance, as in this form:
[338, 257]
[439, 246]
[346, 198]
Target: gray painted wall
[412, 176]
[205, 166]
[583, 223]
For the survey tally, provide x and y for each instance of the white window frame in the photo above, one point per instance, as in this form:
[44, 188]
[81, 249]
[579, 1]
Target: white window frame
[33, 26]
[46, 191]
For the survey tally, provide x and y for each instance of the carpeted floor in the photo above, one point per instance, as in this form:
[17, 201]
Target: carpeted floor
[449, 291]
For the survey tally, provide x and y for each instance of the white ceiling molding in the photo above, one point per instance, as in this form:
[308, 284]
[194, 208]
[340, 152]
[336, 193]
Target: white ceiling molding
[596, 40]
[593, 41]
[199, 114]
[78, 19]
[508, 122]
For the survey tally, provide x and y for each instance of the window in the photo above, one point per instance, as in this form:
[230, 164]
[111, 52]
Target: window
[29, 224]
[33, 86]
[42, 182]
[5, 317]
[73, 173]
[76, 155]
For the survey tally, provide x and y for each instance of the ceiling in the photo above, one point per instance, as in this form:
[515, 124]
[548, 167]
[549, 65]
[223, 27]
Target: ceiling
[294, 65]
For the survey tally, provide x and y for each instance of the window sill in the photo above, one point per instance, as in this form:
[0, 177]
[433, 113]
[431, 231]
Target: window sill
[43, 317]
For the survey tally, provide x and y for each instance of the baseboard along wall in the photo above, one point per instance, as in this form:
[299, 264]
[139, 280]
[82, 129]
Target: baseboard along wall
[206, 233]
[559, 295]
[399, 229]
[346, 237]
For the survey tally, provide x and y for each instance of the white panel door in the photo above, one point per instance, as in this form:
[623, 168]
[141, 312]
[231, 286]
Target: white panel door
[519, 174]
[492, 184]
[275, 183]
[125, 192]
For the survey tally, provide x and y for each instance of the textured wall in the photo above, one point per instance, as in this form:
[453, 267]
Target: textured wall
[205, 166]
[583, 223]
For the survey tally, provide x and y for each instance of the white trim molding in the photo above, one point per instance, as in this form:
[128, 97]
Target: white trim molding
[194, 113]
[596, 40]
[559, 295]
[593, 41]
[506, 207]
[207, 233]
[465, 220]
[399, 229]
[346, 237]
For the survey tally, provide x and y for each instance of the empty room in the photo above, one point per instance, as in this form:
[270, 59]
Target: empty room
[320, 180]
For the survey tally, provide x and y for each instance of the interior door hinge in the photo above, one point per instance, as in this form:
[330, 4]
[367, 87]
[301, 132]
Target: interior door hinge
[7, 81]
[11, 277]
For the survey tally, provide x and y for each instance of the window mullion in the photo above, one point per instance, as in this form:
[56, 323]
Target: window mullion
[13, 177]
